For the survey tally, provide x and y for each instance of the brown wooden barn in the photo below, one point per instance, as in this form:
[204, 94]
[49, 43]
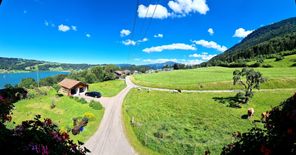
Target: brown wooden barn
[72, 87]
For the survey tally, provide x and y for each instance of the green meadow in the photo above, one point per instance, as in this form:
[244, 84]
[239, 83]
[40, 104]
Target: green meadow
[108, 88]
[189, 123]
[214, 78]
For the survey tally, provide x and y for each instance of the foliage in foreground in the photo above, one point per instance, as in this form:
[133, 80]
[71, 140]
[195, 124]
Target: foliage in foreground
[277, 137]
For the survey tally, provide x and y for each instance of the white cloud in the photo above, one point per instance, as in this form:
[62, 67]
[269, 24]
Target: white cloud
[192, 62]
[211, 31]
[175, 46]
[183, 61]
[129, 42]
[63, 28]
[242, 33]
[184, 7]
[159, 60]
[88, 35]
[210, 44]
[143, 40]
[124, 32]
[180, 8]
[161, 12]
[74, 28]
[46, 23]
[158, 35]
[204, 56]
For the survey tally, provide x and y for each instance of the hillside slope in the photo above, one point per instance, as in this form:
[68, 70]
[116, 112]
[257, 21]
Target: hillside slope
[267, 40]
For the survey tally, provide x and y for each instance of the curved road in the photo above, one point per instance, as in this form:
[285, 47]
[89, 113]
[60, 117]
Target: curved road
[110, 139]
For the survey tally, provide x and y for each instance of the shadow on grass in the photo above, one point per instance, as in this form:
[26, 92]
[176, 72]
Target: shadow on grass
[245, 116]
[228, 101]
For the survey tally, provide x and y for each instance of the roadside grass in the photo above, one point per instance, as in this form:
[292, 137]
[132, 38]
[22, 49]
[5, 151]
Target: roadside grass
[108, 88]
[288, 61]
[213, 78]
[189, 123]
[65, 110]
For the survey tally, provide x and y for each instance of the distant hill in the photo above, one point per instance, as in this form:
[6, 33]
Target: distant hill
[160, 65]
[18, 64]
[267, 40]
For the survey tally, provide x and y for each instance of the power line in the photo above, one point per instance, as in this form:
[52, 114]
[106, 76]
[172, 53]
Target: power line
[135, 19]
[146, 15]
[148, 26]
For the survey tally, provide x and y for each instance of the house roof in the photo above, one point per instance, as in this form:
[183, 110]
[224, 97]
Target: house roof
[119, 72]
[69, 83]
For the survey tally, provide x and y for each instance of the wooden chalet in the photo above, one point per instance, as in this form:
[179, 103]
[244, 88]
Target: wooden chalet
[72, 87]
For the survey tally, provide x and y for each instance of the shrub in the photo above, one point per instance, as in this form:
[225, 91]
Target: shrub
[294, 65]
[266, 66]
[240, 97]
[89, 116]
[95, 105]
[82, 101]
[52, 105]
[28, 83]
[257, 64]
[279, 58]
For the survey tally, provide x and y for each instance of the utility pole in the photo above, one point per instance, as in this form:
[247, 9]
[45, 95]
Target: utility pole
[37, 75]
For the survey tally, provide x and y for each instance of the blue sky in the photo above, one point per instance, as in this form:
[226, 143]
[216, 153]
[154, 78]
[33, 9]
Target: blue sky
[97, 32]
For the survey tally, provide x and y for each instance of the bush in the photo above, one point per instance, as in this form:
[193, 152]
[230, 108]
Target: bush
[95, 105]
[257, 64]
[89, 116]
[279, 58]
[82, 101]
[28, 83]
[240, 97]
[267, 66]
[294, 65]
[52, 105]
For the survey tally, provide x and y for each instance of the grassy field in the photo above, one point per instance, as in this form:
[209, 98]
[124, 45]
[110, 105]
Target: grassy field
[189, 123]
[288, 61]
[213, 78]
[108, 88]
[66, 109]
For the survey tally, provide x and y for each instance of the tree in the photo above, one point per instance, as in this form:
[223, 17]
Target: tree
[253, 80]
[56, 87]
[28, 83]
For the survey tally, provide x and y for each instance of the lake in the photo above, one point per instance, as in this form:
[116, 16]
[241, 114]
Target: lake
[15, 78]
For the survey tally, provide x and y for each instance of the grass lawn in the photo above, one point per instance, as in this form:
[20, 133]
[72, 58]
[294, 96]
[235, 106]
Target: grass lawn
[189, 123]
[213, 78]
[66, 109]
[108, 88]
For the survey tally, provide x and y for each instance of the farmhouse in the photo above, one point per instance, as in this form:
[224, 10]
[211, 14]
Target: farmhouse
[72, 87]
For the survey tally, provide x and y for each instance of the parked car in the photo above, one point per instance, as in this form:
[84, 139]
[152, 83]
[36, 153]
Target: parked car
[94, 94]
